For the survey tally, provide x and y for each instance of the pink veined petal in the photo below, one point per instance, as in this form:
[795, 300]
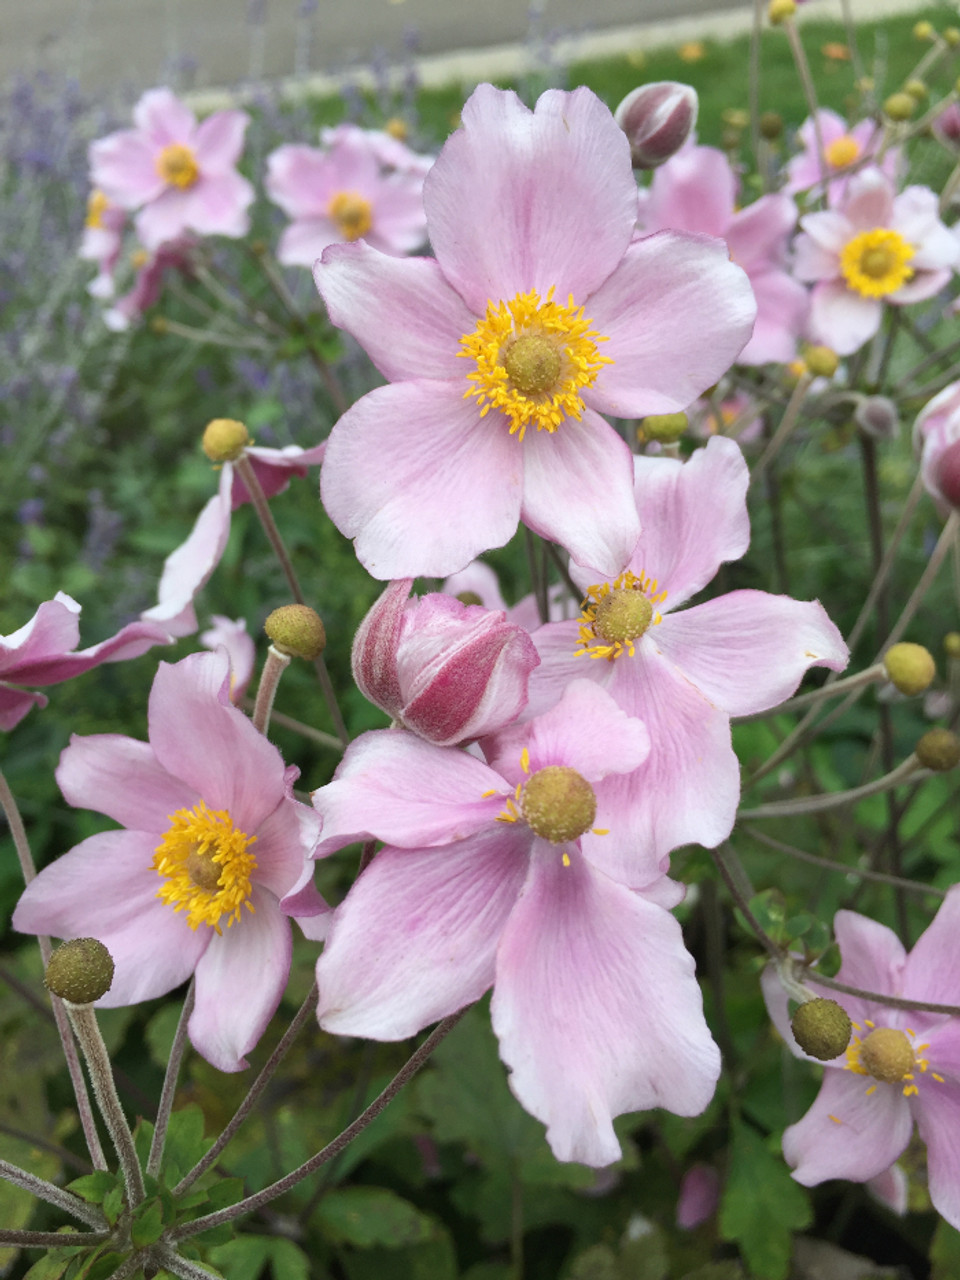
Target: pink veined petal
[396, 787]
[374, 656]
[594, 1005]
[130, 642]
[925, 284]
[848, 1133]
[52, 631]
[162, 115]
[286, 839]
[932, 970]
[757, 235]
[938, 1118]
[414, 330]
[841, 318]
[16, 703]
[420, 481]
[106, 888]
[577, 490]
[811, 261]
[189, 567]
[218, 141]
[516, 194]
[302, 243]
[869, 201]
[218, 205]
[199, 736]
[782, 305]
[275, 468]
[436, 915]
[765, 643]
[694, 191]
[676, 312]
[240, 981]
[873, 956]
[557, 643]
[300, 181]
[477, 579]
[124, 167]
[400, 225]
[122, 778]
[891, 1189]
[164, 218]
[829, 229]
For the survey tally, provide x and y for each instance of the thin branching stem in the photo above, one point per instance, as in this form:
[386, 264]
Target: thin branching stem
[170, 1083]
[835, 799]
[52, 1194]
[862, 873]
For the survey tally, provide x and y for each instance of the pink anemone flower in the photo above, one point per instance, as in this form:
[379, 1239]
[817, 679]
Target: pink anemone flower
[495, 874]
[43, 651]
[212, 842]
[936, 435]
[151, 269]
[902, 1066]
[684, 672]
[232, 635]
[187, 569]
[846, 149]
[537, 315]
[696, 191]
[181, 175]
[479, 584]
[389, 151]
[876, 247]
[102, 242]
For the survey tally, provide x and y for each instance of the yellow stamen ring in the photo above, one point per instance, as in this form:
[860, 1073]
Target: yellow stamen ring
[615, 615]
[97, 206]
[877, 263]
[889, 1056]
[351, 214]
[533, 358]
[177, 165]
[842, 152]
[206, 866]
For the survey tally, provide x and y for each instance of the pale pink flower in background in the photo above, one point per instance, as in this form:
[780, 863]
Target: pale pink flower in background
[537, 315]
[187, 569]
[699, 1196]
[736, 408]
[388, 151]
[876, 247]
[44, 651]
[478, 579]
[341, 195]
[936, 436]
[947, 125]
[845, 148]
[891, 1189]
[447, 671]
[902, 1066]
[686, 671]
[179, 174]
[595, 1000]
[232, 635]
[102, 242]
[194, 883]
[151, 268]
[697, 191]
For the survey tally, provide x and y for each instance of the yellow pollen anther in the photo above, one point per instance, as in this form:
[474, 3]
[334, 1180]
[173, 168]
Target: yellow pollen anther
[615, 615]
[888, 1055]
[558, 804]
[877, 263]
[206, 866]
[352, 214]
[97, 206]
[533, 358]
[177, 165]
[841, 152]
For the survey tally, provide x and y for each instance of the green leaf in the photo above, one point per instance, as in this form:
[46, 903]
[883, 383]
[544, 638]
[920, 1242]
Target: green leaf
[226, 1191]
[728, 1270]
[185, 1143]
[434, 1259]
[242, 1258]
[365, 1216]
[112, 1205]
[103, 1266]
[761, 1206]
[945, 1252]
[94, 1187]
[50, 1267]
[147, 1225]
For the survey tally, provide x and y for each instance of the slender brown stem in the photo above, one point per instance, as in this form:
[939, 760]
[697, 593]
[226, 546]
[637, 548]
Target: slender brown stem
[297, 726]
[273, 669]
[170, 1082]
[809, 92]
[834, 799]
[862, 873]
[877, 997]
[738, 883]
[52, 1239]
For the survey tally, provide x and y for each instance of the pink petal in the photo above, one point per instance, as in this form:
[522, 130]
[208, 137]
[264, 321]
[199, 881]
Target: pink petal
[124, 167]
[677, 312]
[414, 331]
[830, 230]
[420, 481]
[699, 1196]
[436, 915]
[400, 224]
[240, 981]
[300, 181]
[932, 970]
[398, 788]
[515, 196]
[16, 703]
[162, 115]
[218, 205]
[232, 635]
[121, 777]
[694, 191]
[873, 956]
[869, 200]
[375, 646]
[480, 580]
[577, 491]
[52, 631]
[766, 642]
[218, 142]
[848, 1133]
[275, 468]
[304, 241]
[595, 1003]
[130, 642]
[938, 1119]
[165, 218]
[757, 235]
[286, 839]
[841, 318]
[782, 305]
[811, 261]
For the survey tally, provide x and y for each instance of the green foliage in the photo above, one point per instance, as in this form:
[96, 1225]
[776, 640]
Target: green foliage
[761, 1206]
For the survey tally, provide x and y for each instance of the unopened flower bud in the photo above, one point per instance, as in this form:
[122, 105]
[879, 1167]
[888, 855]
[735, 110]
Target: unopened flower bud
[947, 124]
[948, 474]
[657, 118]
[80, 971]
[899, 106]
[665, 428]
[771, 125]
[821, 1028]
[224, 439]
[878, 417]
[923, 31]
[821, 361]
[909, 667]
[951, 36]
[917, 90]
[780, 10]
[296, 630]
[951, 644]
[938, 749]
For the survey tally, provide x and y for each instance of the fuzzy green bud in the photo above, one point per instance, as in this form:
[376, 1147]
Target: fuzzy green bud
[917, 90]
[939, 749]
[951, 36]
[821, 361]
[771, 125]
[821, 1028]
[297, 631]
[224, 439]
[666, 428]
[909, 667]
[951, 644]
[780, 10]
[923, 31]
[899, 106]
[80, 971]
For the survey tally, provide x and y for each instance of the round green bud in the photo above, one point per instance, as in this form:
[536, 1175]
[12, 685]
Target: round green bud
[558, 804]
[296, 630]
[80, 971]
[821, 361]
[821, 1028]
[939, 749]
[666, 428]
[923, 31]
[909, 667]
[224, 439]
[951, 36]
[730, 138]
[951, 644]
[780, 10]
[771, 125]
[468, 597]
[899, 106]
[917, 90]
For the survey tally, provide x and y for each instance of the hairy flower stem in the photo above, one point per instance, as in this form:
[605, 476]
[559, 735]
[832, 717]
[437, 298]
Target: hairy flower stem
[845, 868]
[170, 1083]
[297, 726]
[332, 1149]
[265, 515]
[835, 799]
[883, 570]
[789, 420]
[52, 1239]
[801, 733]
[871, 675]
[809, 92]
[944, 543]
[876, 997]
[741, 890]
[256, 1089]
[186, 1268]
[273, 669]
[51, 1194]
[84, 1109]
[84, 1020]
